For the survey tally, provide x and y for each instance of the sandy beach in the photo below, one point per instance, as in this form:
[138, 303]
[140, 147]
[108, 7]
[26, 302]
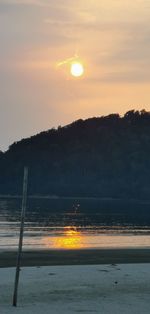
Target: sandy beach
[75, 257]
[77, 281]
[111, 288]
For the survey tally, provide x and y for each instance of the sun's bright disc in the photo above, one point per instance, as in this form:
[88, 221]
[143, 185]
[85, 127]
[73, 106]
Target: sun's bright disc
[77, 69]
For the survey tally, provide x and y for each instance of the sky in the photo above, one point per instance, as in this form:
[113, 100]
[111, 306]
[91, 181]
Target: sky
[111, 38]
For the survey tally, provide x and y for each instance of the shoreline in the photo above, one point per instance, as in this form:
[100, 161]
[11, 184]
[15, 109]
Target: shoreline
[75, 257]
[92, 198]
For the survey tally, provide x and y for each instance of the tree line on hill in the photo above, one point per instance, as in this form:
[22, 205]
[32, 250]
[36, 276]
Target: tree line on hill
[106, 156]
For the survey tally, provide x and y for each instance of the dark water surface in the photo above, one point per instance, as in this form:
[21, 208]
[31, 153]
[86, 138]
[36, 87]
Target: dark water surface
[75, 223]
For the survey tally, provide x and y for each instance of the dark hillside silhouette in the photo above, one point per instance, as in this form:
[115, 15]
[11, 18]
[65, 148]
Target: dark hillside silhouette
[105, 157]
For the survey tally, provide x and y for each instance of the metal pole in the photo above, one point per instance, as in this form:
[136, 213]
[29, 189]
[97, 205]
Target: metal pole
[24, 201]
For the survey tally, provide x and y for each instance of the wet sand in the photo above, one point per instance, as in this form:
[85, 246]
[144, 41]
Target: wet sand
[75, 257]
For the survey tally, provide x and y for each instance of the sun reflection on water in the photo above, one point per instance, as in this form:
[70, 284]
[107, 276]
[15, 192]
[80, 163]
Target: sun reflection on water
[70, 239]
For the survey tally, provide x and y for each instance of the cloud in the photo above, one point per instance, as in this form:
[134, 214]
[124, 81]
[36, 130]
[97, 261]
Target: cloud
[112, 38]
[9, 3]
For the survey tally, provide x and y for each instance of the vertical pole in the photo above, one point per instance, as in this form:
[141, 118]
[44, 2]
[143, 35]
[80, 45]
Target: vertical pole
[24, 201]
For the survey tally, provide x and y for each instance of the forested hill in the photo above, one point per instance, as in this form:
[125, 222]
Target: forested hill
[105, 157]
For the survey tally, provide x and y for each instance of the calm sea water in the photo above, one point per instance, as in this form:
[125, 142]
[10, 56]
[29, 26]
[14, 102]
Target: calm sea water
[75, 223]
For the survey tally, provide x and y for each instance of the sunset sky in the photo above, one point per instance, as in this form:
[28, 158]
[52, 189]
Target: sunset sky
[111, 38]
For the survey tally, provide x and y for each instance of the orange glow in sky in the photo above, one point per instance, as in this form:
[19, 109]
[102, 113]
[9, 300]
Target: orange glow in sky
[110, 40]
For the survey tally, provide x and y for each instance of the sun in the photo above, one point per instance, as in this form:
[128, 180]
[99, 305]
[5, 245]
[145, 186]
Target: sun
[77, 69]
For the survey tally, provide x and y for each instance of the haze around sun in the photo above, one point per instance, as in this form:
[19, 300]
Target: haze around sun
[111, 39]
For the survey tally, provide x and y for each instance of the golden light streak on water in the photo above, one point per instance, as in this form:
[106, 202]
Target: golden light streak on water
[70, 239]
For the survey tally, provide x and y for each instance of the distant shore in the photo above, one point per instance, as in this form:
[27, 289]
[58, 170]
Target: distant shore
[93, 198]
[75, 257]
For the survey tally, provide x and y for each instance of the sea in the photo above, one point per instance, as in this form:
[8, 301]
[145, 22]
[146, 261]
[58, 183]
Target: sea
[75, 223]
